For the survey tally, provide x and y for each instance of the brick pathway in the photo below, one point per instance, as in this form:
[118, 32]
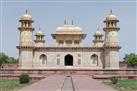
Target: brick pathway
[63, 83]
[86, 83]
[51, 83]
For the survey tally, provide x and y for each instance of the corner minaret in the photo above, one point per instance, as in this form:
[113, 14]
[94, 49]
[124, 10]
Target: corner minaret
[98, 41]
[39, 42]
[111, 42]
[26, 41]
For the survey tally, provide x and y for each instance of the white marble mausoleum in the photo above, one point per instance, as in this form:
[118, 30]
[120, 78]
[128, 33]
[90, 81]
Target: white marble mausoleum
[68, 52]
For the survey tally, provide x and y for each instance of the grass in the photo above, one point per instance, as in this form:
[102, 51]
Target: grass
[11, 85]
[124, 85]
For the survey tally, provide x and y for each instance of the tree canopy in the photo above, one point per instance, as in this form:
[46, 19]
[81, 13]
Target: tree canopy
[131, 59]
[5, 59]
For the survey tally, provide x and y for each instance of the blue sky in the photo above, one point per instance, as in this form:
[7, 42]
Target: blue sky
[49, 14]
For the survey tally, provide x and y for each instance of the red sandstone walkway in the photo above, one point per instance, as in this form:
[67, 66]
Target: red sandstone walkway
[86, 83]
[51, 83]
[62, 83]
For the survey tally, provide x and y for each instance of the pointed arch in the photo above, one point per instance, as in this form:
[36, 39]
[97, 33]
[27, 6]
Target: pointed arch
[68, 60]
[94, 59]
[43, 59]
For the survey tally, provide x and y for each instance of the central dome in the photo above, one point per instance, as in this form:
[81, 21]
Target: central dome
[68, 28]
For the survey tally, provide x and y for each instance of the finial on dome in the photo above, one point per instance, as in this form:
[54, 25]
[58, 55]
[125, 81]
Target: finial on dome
[26, 11]
[111, 11]
[39, 29]
[97, 29]
[72, 22]
[65, 22]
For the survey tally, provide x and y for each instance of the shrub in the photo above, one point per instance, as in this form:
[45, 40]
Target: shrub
[24, 78]
[114, 79]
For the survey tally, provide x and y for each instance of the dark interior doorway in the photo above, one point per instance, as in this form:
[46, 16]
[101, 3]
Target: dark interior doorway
[68, 60]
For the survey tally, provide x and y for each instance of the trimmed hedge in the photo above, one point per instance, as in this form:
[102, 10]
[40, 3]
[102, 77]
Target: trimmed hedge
[114, 79]
[24, 78]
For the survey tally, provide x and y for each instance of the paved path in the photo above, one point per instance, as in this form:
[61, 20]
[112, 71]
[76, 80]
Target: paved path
[86, 83]
[51, 83]
[63, 83]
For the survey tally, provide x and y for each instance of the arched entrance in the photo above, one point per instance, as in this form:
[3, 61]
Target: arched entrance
[43, 60]
[94, 60]
[68, 60]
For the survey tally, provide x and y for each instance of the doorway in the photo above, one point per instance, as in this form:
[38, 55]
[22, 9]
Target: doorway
[68, 60]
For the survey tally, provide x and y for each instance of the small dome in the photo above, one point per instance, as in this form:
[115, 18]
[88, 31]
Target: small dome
[39, 33]
[111, 16]
[98, 32]
[26, 16]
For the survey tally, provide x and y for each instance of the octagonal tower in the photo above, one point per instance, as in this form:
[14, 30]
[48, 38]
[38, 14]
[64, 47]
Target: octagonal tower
[26, 41]
[111, 42]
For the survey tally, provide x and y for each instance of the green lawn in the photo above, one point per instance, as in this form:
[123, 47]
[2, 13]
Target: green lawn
[10, 85]
[125, 85]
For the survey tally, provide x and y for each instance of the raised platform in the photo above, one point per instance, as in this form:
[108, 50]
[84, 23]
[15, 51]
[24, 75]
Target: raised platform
[95, 73]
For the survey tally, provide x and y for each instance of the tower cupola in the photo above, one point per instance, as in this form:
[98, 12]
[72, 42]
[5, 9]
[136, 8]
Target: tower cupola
[98, 41]
[26, 20]
[39, 38]
[111, 20]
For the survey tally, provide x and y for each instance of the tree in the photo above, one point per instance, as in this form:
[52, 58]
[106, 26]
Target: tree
[5, 59]
[131, 59]
[12, 60]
